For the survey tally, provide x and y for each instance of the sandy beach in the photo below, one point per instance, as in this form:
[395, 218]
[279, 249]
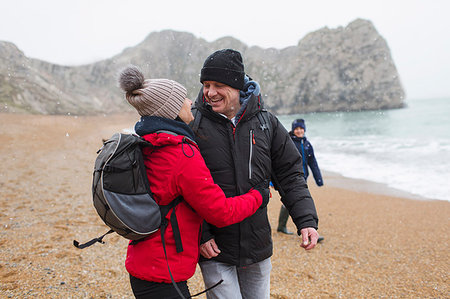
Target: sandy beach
[377, 243]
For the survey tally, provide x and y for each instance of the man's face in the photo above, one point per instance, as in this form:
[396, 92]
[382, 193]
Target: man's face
[299, 132]
[223, 98]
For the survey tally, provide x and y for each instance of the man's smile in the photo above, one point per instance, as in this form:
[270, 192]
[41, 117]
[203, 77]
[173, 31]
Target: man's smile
[215, 100]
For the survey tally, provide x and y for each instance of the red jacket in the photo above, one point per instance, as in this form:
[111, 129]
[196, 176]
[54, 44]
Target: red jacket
[179, 169]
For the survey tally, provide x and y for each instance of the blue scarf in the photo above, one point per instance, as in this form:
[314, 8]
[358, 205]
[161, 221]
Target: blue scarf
[250, 87]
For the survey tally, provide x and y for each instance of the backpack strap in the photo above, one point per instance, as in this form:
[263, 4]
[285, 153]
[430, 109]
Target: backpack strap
[266, 126]
[197, 118]
[164, 224]
[91, 242]
[173, 221]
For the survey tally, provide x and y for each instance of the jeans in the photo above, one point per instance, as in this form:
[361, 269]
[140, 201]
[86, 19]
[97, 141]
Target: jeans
[247, 282]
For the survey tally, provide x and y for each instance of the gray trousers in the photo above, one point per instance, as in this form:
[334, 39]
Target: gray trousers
[248, 282]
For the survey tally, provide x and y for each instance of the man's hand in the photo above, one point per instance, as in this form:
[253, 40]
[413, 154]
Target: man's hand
[309, 238]
[209, 249]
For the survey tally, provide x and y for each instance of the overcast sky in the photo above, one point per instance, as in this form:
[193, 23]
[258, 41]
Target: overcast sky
[83, 31]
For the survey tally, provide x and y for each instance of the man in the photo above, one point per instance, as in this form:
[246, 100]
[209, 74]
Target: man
[239, 154]
[305, 148]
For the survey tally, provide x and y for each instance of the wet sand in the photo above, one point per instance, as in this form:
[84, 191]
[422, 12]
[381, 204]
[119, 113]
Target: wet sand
[377, 243]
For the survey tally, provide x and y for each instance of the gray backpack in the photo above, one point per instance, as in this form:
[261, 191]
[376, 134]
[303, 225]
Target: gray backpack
[121, 191]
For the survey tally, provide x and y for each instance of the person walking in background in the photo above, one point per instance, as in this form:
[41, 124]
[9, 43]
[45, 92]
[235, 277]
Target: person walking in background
[175, 168]
[309, 160]
[233, 141]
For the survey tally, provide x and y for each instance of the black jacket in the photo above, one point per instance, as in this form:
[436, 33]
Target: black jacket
[240, 157]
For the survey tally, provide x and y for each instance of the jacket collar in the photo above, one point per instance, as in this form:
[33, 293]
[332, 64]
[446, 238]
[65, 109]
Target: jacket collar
[153, 124]
[295, 138]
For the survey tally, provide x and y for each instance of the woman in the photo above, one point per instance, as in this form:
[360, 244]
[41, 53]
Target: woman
[175, 169]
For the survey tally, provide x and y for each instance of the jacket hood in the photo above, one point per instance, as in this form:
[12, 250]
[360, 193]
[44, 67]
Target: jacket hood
[157, 130]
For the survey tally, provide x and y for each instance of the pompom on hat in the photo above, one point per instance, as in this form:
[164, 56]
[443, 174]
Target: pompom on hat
[152, 97]
[224, 66]
[298, 123]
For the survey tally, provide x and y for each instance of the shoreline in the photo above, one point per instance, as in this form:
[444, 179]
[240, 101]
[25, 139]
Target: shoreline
[337, 180]
[333, 179]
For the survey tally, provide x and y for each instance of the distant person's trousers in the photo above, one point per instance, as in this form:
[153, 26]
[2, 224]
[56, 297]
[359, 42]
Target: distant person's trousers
[249, 282]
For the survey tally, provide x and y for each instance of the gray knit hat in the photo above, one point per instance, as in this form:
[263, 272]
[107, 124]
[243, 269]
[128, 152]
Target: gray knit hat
[152, 97]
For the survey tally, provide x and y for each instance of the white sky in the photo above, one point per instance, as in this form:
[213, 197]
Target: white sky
[84, 31]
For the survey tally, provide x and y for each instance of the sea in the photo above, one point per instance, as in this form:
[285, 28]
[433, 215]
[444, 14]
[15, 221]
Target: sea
[407, 149]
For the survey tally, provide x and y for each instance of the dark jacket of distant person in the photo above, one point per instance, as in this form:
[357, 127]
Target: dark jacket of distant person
[306, 150]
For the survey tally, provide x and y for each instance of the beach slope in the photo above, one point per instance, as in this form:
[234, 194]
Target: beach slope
[375, 245]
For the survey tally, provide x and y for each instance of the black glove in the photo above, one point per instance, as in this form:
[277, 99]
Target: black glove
[263, 188]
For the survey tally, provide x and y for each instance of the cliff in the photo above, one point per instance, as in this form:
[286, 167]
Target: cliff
[343, 69]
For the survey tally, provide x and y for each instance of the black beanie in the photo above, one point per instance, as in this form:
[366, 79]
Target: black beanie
[224, 66]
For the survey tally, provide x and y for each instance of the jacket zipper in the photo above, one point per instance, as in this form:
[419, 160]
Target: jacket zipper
[252, 141]
[304, 159]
